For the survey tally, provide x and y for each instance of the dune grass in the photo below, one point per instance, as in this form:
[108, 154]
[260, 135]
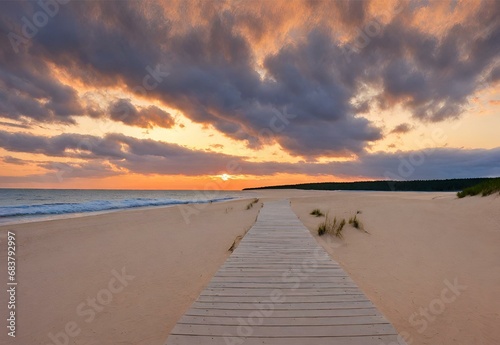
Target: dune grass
[331, 226]
[485, 188]
[354, 221]
[235, 243]
[316, 212]
[250, 205]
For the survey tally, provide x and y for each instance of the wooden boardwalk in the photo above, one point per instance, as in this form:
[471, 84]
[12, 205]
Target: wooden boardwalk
[280, 287]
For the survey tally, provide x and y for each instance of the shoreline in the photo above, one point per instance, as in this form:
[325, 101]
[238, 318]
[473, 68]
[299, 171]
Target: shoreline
[51, 217]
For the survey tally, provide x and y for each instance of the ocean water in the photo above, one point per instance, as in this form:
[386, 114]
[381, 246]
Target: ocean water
[21, 205]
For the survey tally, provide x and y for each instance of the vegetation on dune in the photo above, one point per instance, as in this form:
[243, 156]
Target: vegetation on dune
[484, 188]
[451, 185]
[329, 226]
[354, 221]
[250, 205]
[334, 226]
[235, 243]
[316, 212]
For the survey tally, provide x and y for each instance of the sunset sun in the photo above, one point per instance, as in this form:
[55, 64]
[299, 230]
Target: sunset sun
[225, 177]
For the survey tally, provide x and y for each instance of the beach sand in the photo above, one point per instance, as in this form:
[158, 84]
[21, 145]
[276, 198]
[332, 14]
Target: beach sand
[62, 263]
[417, 245]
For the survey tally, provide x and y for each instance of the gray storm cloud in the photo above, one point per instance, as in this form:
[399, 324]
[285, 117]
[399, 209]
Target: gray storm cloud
[217, 76]
[117, 153]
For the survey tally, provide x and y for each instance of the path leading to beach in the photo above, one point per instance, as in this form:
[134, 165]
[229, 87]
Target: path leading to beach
[280, 287]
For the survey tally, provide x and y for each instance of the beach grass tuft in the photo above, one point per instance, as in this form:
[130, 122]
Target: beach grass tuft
[354, 221]
[250, 205]
[316, 212]
[329, 226]
[485, 188]
[235, 243]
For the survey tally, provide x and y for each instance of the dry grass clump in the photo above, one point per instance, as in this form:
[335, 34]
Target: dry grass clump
[250, 205]
[354, 221]
[316, 212]
[331, 226]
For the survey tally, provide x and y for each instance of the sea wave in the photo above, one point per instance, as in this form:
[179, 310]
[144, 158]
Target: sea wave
[93, 206]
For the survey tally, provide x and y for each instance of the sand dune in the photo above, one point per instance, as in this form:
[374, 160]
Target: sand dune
[418, 245]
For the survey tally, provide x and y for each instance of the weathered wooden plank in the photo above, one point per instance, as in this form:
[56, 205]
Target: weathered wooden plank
[280, 279]
[284, 321]
[284, 313]
[292, 259]
[298, 270]
[279, 292]
[270, 305]
[283, 260]
[233, 339]
[294, 299]
[286, 331]
[267, 292]
[298, 285]
[284, 267]
[274, 273]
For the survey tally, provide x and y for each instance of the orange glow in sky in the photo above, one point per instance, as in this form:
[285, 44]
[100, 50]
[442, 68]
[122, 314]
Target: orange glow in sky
[243, 94]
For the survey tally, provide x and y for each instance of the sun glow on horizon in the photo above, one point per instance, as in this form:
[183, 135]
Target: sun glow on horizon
[225, 177]
[189, 91]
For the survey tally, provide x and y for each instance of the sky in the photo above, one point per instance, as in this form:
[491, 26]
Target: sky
[232, 94]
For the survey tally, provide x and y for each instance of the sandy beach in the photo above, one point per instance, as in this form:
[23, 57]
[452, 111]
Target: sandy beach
[429, 262]
[417, 245]
[65, 264]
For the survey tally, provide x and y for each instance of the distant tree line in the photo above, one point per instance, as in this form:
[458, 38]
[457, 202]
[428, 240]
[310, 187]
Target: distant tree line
[450, 185]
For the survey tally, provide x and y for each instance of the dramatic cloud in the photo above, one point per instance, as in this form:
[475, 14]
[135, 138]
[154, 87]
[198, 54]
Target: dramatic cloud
[58, 172]
[61, 171]
[13, 160]
[34, 94]
[14, 125]
[439, 163]
[124, 111]
[213, 72]
[136, 155]
[307, 75]
[434, 76]
[116, 153]
[402, 128]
